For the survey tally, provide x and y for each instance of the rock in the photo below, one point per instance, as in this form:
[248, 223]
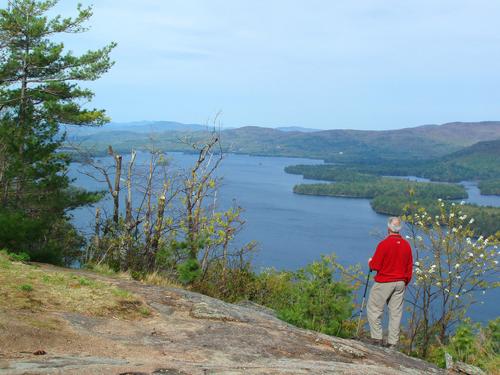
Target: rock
[257, 307]
[218, 311]
[457, 367]
[188, 334]
[167, 371]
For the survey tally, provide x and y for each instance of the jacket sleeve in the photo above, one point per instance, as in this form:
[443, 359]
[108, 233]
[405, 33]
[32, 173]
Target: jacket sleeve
[378, 258]
[409, 267]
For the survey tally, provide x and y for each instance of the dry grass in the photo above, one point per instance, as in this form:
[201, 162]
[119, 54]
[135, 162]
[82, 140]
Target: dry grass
[158, 279]
[153, 278]
[28, 287]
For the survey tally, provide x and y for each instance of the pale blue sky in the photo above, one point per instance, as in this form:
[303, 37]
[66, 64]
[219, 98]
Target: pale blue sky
[361, 64]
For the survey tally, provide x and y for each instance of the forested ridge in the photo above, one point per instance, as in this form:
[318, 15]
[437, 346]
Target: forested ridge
[392, 196]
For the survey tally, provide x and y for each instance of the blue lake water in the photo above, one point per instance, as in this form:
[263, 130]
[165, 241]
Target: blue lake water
[292, 230]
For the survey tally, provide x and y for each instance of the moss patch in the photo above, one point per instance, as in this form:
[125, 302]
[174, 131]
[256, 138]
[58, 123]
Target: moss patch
[27, 287]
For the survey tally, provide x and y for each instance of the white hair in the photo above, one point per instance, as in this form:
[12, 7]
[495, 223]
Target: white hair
[396, 228]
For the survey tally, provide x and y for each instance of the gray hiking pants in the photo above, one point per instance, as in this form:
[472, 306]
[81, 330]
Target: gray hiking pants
[381, 293]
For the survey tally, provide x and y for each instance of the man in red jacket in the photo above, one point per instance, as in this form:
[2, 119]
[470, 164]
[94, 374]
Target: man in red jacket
[393, 262]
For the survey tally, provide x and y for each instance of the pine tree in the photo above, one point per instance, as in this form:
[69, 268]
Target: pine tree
[39, 93]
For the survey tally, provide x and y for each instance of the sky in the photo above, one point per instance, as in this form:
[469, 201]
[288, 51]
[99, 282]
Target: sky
[362, 64]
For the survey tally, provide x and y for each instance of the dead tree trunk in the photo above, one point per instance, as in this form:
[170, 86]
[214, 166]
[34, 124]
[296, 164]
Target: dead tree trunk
[116, 189]
[158, 229]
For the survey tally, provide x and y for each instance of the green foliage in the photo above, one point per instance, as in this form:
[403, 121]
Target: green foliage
[39, 91]
[385, 187]
[473, 344]
[318, 296]
[26, 287]
[391, 196]
[85, 282]
[230, 283]
[477, 162]
[19, 257]
[329, 172]
[489, 187]
[189, 271]
[45, 238]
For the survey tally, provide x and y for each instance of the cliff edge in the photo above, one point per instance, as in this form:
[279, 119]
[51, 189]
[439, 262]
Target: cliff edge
[144, 329]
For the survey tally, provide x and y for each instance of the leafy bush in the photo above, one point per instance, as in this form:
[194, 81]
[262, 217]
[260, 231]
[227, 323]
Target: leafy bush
[189, 271]
[42, 239]
[473, 344]
[318, 296]
[229, 283]
[489, 187]
[26, 287]
[16, 257]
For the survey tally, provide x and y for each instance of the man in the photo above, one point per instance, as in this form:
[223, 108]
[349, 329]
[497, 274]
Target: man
[393, 262]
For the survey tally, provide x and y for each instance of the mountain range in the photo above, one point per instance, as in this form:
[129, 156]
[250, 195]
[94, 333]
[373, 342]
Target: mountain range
[338, 145]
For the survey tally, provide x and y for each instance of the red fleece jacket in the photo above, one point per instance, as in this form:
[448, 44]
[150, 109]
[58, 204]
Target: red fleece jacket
[392, 260]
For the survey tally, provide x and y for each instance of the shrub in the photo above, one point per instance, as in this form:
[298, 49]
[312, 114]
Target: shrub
[230, 283]
[318, 296]
[16, 257]
[452, 266]
[473, 344]
[26, 287]
[189, 271]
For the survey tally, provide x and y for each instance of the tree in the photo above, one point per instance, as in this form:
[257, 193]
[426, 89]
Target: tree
[39, 93]
[453, 267]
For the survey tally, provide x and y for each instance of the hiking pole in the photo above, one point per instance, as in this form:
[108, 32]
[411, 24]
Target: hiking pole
[363, 303]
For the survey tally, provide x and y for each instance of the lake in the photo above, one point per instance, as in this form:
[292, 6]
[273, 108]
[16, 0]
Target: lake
[292, 230]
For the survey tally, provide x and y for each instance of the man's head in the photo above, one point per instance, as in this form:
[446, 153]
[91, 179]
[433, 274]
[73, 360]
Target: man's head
[394, 224]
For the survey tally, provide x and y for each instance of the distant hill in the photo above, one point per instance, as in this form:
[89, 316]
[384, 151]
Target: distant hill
[479, 162]
[137, 127]
[346, 146]
[340, 145]
[297, 129]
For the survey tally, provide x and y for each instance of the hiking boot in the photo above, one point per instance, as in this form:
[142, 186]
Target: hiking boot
[391, 346]
[376, 342]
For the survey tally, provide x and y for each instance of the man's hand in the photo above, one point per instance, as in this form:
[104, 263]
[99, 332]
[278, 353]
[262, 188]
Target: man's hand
[369, 260]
